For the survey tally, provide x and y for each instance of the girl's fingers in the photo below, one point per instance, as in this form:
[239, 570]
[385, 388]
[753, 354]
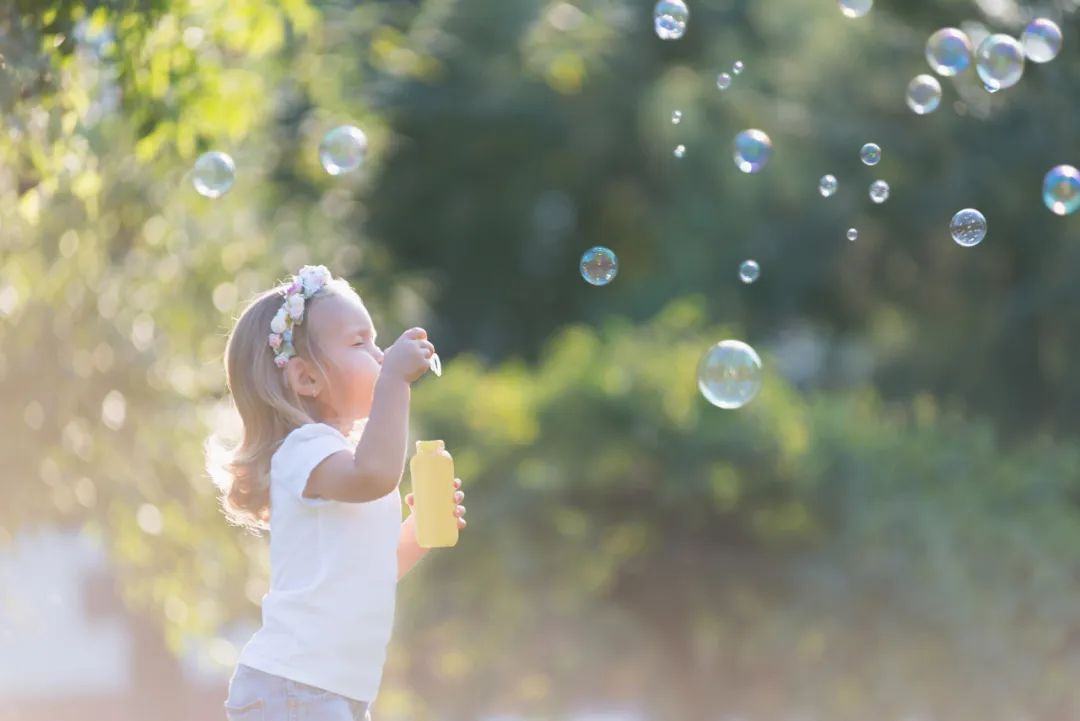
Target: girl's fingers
[459, 511]
[459, 496]
[461, 523]
[409, 499]
[457, 483]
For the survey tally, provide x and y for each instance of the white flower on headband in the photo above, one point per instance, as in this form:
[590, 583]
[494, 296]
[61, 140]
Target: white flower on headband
[295, 305]
[314, 277]
[278, 324]
[309, 281]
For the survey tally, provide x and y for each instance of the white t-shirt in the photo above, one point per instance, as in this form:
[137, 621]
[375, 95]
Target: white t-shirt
[328, 616]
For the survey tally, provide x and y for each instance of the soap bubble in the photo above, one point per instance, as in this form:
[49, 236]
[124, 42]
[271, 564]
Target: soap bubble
[924, 94]
[1000, 61]
[676, 117]
[827, 186]
[435, 364]
[968, 227]
[853, 234]
[729, 374]
[214, 174]
[749, 271]
[870, 154]
[599, 266]
[670, 18]
[752, 150]
[1041, 40]
[680, 151]
[723, 81]
[949, 52]
[343, 149]
[855, 8]
[879, 191]
[1061, 190]
[737, 68]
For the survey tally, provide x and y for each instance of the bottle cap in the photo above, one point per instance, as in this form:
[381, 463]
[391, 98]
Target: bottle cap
[430, 446]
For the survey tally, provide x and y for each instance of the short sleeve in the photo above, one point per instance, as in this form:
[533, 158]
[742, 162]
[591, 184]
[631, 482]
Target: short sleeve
[300, 453]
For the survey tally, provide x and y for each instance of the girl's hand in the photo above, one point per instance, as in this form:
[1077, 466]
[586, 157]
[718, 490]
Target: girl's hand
[409, 357]
[459, 496]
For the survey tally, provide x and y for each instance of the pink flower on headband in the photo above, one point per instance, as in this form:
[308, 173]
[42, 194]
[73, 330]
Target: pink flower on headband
[275, 341]
[281, 360]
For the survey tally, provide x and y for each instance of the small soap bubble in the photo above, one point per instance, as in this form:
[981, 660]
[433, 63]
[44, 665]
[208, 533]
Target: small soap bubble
[949, 52]
[729, 374]
[827, 186]
[1061, 190]
[879, 191]
[1000, 61]
[670, 18]
[214, 173]
[753, 148]
[968, 227]
[343, 150]
[737, 68]
[435, 364]
[1041, 40]
[723, 81]
[853, 234]
[870, 154]
[924, 94]
[749, 271]
[680, 151]
[856, 8]
[676, 117]
[599, 266]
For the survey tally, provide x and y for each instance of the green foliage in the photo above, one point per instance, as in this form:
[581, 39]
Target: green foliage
[829, 554]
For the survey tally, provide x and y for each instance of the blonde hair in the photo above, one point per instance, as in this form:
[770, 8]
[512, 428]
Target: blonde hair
[268, 407]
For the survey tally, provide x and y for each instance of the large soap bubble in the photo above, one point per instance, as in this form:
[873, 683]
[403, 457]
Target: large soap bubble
[1000, 61]
[729, 374]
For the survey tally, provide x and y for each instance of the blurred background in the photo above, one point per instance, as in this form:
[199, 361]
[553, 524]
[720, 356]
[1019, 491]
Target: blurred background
[891, 530]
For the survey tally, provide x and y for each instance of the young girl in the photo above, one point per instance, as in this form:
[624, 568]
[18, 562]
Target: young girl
[325, 417]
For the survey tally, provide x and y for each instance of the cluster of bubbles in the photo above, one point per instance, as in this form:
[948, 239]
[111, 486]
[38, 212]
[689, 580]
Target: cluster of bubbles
[725, 79]
[729, 374]
[341, 151]
[999, 59]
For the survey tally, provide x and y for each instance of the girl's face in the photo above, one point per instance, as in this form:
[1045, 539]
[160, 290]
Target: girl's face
[345, 334]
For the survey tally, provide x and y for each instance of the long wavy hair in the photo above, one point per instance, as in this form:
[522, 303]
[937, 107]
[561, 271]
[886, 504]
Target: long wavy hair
[269, 409]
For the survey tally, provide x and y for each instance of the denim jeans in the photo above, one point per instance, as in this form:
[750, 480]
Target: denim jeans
[258, 696]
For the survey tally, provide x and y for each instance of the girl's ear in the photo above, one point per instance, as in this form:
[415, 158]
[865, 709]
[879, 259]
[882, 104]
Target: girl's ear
[301, 377]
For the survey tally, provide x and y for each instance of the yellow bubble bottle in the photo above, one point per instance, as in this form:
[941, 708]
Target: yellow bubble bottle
[432, 470]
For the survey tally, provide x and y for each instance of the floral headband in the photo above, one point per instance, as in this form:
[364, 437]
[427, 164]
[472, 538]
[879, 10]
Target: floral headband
[307, 283]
